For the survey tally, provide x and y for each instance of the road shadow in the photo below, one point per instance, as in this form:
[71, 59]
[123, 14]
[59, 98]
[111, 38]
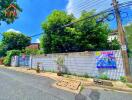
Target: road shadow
[80, 97]
[94, 95]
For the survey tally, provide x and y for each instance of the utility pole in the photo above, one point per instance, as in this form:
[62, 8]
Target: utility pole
[122, 40]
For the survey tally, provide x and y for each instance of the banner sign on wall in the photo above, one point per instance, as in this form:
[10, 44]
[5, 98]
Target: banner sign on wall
[105, 59]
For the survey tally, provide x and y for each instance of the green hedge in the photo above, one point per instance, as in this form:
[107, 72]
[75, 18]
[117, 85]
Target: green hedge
[9, 55]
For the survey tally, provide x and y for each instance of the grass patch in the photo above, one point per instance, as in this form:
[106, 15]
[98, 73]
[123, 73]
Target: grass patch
[104, 77]
[129, 85]
[86, 75]
[82, 88]
[67, 76]
[123, 79]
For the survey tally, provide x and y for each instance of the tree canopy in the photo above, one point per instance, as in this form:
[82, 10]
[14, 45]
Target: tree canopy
[13, 41]
[55, 36]
[128, 30]
[4, 4]
[16, 41]
[84, 35]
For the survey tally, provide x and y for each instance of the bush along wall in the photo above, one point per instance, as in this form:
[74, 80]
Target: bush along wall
[9, 55]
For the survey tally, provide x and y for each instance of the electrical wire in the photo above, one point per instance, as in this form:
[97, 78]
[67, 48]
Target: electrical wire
[84, 3]
[102, 12]
[110, 11]
[88, 6]
[92, 6]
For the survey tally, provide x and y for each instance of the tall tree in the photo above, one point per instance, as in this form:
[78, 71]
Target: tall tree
[55, 36]
[4, 4]
[93, 35]
[82, 36]
[15, 41]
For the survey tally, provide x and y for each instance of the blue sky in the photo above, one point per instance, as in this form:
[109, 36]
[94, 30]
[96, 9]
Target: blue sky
[36, 11]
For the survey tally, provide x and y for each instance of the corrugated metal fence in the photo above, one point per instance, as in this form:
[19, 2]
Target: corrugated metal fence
[79, 63]
[23, 61]
[130, 65]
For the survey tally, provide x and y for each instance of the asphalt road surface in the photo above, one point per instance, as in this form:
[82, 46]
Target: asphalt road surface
[20, 86]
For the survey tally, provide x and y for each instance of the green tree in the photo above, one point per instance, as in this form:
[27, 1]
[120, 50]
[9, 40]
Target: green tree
[2, 50]
[29, 51]
[128, 32]
[4, 4]
[114, 45]
[15, 41]
[93, 35]
[82, 36]
[56, 36]
[42, 41]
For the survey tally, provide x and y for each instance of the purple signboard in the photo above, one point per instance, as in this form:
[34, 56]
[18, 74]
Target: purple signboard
[105, 59]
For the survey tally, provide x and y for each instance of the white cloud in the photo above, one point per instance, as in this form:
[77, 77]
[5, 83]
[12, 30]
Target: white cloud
[37, 41]
[13, 30]
[130, 23]
[77, 6]
[69, 6]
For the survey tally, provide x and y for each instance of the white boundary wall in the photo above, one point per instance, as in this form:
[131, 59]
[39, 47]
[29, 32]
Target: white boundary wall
[79, 63]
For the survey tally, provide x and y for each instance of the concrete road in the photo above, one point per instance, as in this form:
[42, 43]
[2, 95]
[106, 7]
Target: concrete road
[105, 95]
[20, 86]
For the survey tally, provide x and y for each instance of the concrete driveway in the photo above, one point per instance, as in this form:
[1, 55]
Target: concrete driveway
[20, 86]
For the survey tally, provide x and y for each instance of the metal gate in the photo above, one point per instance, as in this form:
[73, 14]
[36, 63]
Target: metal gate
[23, 62]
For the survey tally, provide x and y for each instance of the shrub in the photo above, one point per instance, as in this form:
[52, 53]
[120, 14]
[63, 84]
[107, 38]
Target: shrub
[104, 77]
[123, 79]
[29, 51]
[82, 88]
[1, 60]
[38, 68]
[60, 63]
[114, 45]
[86, 75]
[74, 74]
[9, 55]
[68, 73]
[129, 85]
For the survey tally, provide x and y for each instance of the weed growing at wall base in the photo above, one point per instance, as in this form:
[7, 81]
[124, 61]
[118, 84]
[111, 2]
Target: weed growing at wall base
[123, 79]
[104, 77]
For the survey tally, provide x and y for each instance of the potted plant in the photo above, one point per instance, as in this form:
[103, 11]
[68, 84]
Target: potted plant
[60, 65]
[38, 67]
[1, 60]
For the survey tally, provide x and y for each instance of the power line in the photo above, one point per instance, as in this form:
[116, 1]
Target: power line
[92, 6]
[109, 10]
[35, 35]
[84, 2]
[125, 4]
[87, 6]
[129, 3]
